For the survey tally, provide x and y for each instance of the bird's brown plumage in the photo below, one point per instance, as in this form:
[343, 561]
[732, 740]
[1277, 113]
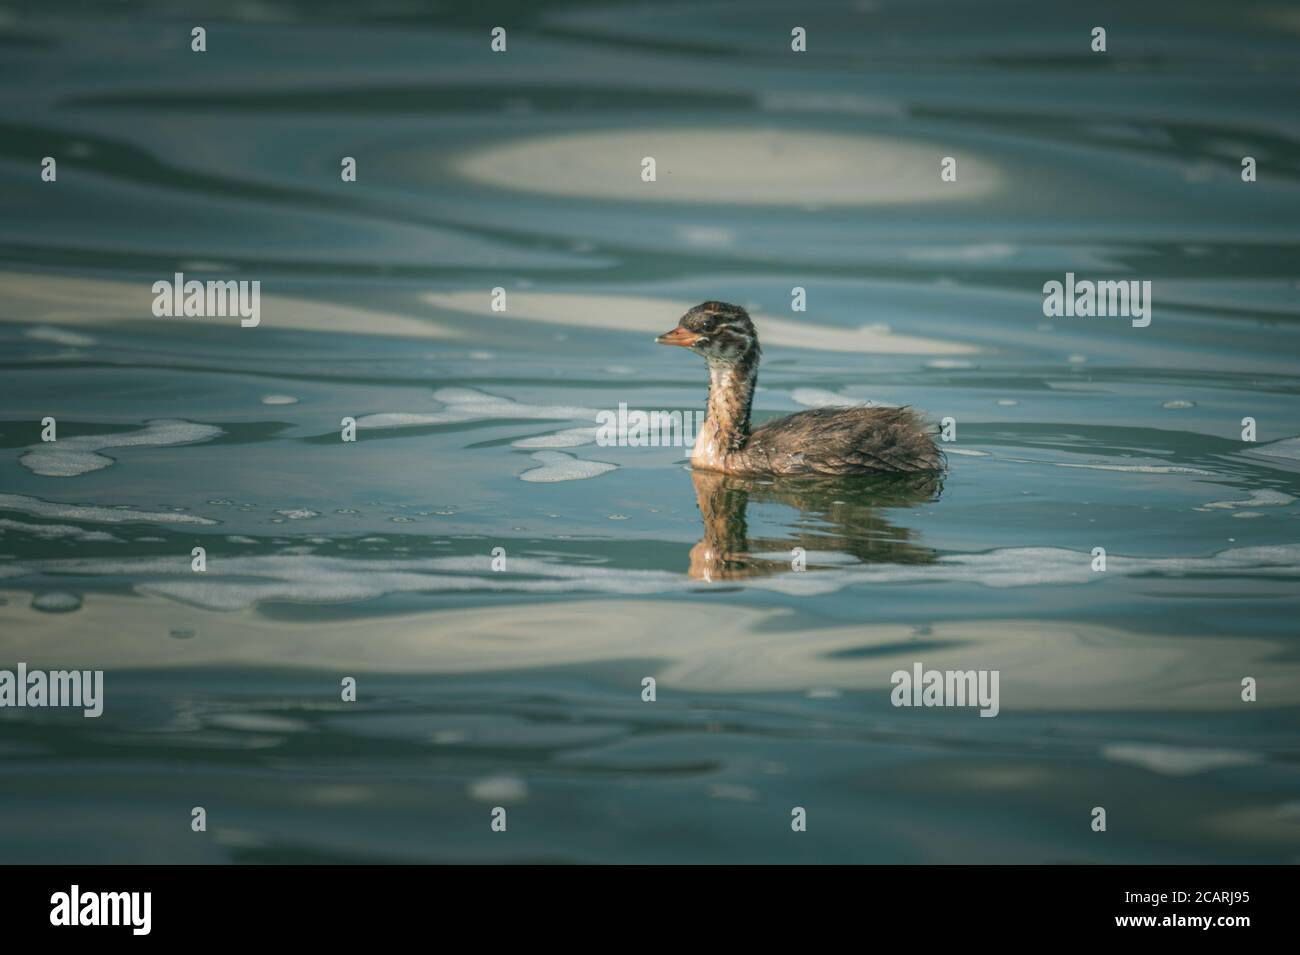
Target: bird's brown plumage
[840, 441]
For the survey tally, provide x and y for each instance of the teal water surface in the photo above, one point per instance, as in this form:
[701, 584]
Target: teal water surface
[482, 685]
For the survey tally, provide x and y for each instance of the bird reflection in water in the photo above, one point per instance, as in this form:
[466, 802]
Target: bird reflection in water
[843, 515]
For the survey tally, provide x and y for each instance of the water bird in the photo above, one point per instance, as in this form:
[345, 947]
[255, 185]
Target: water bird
[824, 441]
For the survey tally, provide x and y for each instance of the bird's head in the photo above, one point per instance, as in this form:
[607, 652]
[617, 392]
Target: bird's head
[722, 333]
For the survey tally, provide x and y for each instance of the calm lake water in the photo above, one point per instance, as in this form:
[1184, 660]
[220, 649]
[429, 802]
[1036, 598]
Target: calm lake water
[522, 688]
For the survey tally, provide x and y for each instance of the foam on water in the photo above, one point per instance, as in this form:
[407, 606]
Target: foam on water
[1121, 468]
[403, 419]
[568, 438]
[558, 466]
[467, 404]
[96, 515]
[1258, 498]
[1134, 468]
[70, 457]
[57, 531]
[56, 601]
[1286, 448]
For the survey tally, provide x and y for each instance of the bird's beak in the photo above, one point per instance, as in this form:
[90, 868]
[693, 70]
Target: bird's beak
[679, 336]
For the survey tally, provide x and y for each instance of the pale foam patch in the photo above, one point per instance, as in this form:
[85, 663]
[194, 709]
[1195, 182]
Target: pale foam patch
[648, 316]
[558, 466]
[568, 438]
[1177, 760]
[1132, 468]
[60, 336]
[58, 601]
[1121, 468]
[239, 582]
[1258, 498]
[1288, 448]
[58, 531]
[467, 404]
[279, 400]
[968, 452]
[404, 419]
[69, 457]
[746, 166]
[97, 515]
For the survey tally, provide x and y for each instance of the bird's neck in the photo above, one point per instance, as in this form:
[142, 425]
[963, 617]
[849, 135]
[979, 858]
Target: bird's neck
[726, 420]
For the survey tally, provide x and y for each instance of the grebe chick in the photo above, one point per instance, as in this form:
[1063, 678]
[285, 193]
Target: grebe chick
[828, 441]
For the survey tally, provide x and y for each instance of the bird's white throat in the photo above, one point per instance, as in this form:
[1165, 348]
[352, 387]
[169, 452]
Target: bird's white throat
[726, 421]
